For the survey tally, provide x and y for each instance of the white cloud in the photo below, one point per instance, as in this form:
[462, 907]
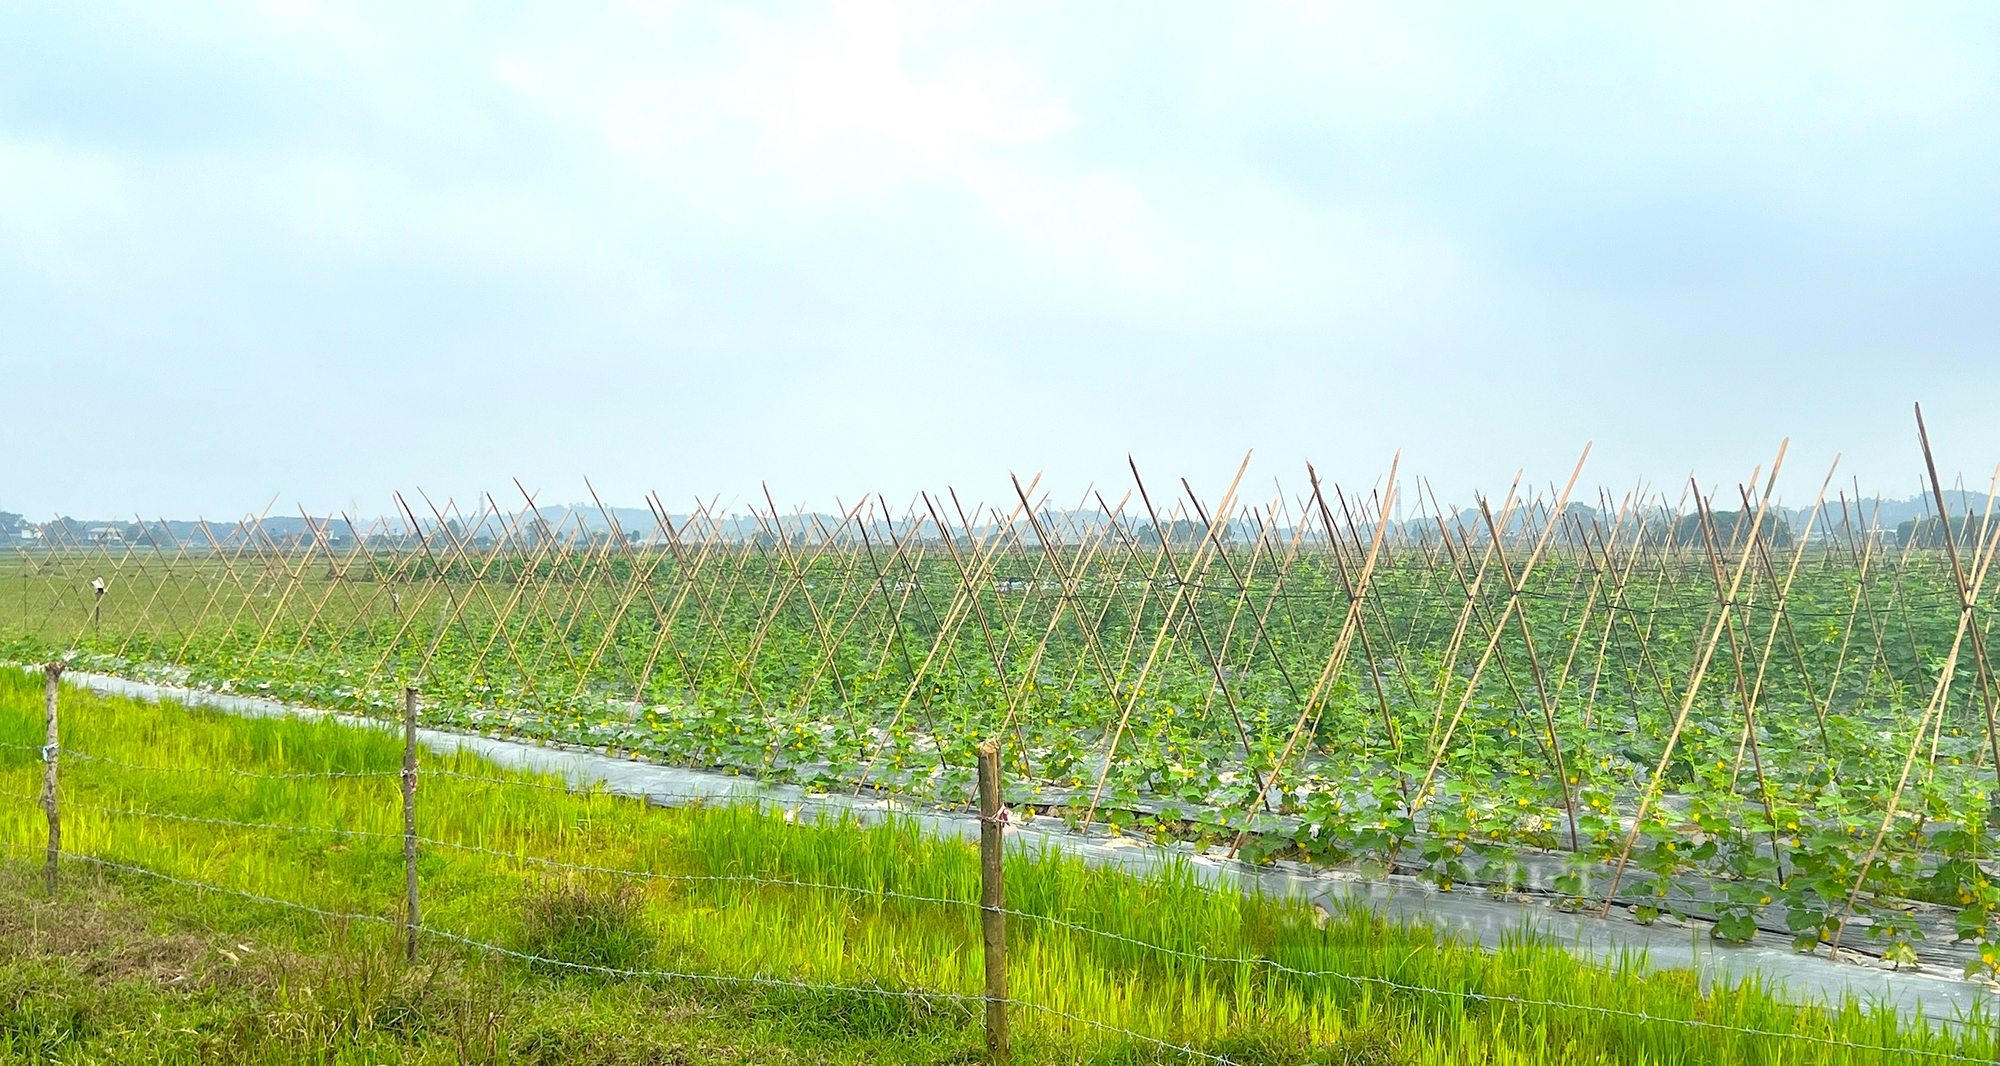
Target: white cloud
[703, 237]
[811, 88]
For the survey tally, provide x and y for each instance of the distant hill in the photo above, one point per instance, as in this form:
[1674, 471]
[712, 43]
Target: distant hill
[1902, 517]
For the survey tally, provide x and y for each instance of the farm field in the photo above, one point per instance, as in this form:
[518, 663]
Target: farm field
[1275, 535]
[1781, 722]
[231, 889]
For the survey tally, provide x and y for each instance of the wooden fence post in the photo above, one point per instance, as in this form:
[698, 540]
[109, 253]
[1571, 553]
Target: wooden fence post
[992, 901]
[51, 750]
[412, 916]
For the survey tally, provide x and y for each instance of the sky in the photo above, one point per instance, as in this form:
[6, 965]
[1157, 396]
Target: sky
[319, 253]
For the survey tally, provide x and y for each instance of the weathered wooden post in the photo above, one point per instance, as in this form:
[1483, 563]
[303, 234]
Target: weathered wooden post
[412, 916]
[51, 750]
[992, 901]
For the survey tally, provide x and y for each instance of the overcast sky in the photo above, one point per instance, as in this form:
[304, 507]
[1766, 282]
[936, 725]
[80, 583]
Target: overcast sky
[328, 251]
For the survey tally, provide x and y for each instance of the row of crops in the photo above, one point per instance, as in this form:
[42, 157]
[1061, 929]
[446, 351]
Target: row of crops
[1680, 706]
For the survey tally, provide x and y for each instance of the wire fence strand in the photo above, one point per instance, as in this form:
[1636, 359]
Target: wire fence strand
[169, 816]
[754, 980]
[1387, 984]
[592, 790]
[1183, 955]
[227, 771]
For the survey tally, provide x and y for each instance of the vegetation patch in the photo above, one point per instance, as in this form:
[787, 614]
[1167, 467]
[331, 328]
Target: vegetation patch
[808, 937]
[584, 926]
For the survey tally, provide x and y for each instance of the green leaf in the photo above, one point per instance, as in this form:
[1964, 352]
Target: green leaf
[1735, 928]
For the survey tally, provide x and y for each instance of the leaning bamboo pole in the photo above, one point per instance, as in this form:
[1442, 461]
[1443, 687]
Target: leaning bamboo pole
[1750, 740]
[1174, 605]
[1493, 641]
[1187, 581]
[1470, 589]
[942, 641]
[1548, 702]
[1965, 591]
[1695, 677]
[1940, 692]
[1336, 661]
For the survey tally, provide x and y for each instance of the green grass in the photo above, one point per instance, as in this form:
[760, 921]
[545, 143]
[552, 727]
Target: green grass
[118, 969]
[837, 665]
[126, 968]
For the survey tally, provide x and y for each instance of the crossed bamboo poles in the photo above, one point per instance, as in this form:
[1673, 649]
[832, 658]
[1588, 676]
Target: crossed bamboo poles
[1529, 612]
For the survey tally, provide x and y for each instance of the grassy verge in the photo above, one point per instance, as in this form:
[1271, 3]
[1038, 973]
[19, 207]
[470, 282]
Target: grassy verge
[121, 967]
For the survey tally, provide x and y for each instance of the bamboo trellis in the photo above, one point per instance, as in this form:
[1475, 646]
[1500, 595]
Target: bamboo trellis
[1534, 671]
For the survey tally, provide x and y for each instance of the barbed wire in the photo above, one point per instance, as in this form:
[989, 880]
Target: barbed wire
[1028, 916]
[551, 786]
[1065, 924]
[1380, 982]
[960, 999]
[227, 771]
[1677, 892]
[512, 856]
[1392, 985]
[203, 820]
[202, 885]
[327, 774]
[658, 875]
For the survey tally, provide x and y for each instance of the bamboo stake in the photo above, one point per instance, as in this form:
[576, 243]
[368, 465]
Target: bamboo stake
[910, 559]
[993, 902]
[159, 588]
[1336, 661]
[1382, 621]
[1187, 581]
[1174, 605]
[1471, 589]
[1493, 642]
[1695, 677]
[1535, 665]
[689, 578]
[51, 755]
[1965, 593]
[1939, 694]
[971, 574]
[1781, 613]
[412, 915]
[1743, 693]
[897, 636]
